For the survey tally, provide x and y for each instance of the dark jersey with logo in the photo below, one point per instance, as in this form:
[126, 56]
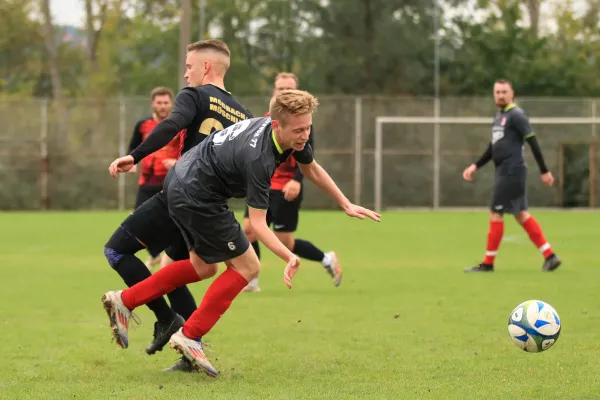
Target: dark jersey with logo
[510, 130]
[198, 111]
[238, 161]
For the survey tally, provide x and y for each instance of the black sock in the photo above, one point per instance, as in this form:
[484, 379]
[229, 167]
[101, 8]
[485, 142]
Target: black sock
[256, 247]
[182, 301]
[308, 250]
[133, 271]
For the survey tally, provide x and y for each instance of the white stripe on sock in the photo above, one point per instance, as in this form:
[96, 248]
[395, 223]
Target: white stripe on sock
[544, 247]
[491, 253]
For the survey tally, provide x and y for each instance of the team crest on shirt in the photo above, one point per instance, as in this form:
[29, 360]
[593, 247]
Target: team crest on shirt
[503, 121]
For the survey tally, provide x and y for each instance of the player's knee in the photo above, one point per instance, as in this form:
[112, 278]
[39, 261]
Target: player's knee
[113, 257]
[210, 271]
[203, 269]
[120, 243]
[287, 238]
[522, 216]
[494, 216]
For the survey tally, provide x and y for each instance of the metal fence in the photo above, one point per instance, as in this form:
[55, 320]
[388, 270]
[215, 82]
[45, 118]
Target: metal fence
[58, 160]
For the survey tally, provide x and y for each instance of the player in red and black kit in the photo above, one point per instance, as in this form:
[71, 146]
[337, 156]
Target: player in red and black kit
[285, 198]
[154, 168]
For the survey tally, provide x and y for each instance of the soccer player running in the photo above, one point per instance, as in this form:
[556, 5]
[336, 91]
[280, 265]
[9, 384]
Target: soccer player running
[201, 108]
[236, 162]
[509, 132]
[155, 167]
[285, 198]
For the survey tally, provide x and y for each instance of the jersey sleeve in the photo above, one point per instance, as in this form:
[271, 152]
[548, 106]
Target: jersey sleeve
[522, 126]
[187, 104]
[258, 181]
[136, 138]
[305, 156]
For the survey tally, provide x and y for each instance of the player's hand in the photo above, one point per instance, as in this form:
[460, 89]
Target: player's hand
[290, 270]
[133, 169]
[169, 162]
[548, 179]
[291, 190]
[120, 165]
[352, 210]
[469, 172]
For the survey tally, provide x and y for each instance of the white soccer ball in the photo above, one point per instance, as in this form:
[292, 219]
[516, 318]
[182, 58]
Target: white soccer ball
[534, 326]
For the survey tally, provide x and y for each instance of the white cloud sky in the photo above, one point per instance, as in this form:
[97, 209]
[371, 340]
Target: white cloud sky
[67, 12]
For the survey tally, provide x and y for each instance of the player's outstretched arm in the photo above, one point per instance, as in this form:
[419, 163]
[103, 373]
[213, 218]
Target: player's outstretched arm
[183, 114]
[316, 174]
[258, 222]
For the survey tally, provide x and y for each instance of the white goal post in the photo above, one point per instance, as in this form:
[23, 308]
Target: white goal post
[436, 122]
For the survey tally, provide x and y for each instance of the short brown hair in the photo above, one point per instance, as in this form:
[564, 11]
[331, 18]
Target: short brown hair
[161, 91]
[210, 44]
[283, 75]
[506, 81]
[292, 102]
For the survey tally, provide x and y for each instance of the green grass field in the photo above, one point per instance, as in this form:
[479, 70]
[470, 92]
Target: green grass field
[406, 323]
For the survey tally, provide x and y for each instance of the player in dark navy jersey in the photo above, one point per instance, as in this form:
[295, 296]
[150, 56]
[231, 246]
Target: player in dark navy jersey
[239, 162]
[200, 109]
[510, 131]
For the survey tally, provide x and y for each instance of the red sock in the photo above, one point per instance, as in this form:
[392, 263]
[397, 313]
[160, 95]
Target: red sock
[164, 281]
[493, 241]
[216, 301]
[534, 230]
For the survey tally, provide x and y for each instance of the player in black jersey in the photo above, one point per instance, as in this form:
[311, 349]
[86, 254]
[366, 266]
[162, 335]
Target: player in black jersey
[510, 131]
[236, 162]
[199, 110]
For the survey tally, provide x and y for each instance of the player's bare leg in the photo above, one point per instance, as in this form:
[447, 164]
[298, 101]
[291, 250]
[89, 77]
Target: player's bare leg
[216, 301]
[536, 235]
[165, 260]
[252, 287]
[495, 233]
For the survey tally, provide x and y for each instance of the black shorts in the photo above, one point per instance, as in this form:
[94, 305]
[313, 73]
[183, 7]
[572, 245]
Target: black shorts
[282, 214]
[510, 192]
[151, 224]
[144, 193]
[208, 226]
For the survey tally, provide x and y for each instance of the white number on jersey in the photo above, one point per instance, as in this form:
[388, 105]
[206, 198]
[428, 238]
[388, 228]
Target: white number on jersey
[230, 132]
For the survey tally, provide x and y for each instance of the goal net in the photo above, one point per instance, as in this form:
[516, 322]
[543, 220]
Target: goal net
[418, 162]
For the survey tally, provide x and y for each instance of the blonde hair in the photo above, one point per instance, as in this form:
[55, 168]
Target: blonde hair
[292, 102]
[284, 75]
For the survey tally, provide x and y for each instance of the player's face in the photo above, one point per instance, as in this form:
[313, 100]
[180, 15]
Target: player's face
[196, 68]
[503, 94]
[295, 133]
[282, 84]
[162, 105]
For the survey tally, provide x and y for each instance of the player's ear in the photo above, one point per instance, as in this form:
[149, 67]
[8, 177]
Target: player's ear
[275, 124]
